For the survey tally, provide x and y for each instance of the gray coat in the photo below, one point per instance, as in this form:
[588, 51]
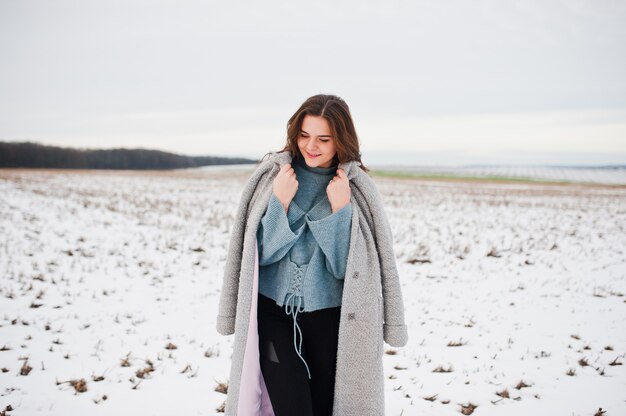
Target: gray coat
[372, 308]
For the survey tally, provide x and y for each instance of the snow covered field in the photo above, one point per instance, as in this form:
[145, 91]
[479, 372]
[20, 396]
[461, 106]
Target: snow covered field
[109, 284]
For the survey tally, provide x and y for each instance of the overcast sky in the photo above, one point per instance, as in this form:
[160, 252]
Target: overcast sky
[437, 81]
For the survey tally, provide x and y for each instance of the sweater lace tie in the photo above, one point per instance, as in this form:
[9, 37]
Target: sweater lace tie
[293, 305]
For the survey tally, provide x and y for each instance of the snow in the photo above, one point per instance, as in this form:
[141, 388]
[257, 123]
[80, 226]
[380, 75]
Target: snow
[98, 267]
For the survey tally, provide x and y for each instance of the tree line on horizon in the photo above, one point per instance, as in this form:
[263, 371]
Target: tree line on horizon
[35, 155]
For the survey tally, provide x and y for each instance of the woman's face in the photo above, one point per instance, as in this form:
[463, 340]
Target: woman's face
[315, 142]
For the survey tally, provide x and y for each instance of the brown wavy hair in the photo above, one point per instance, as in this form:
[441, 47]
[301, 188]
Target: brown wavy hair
[337, 113]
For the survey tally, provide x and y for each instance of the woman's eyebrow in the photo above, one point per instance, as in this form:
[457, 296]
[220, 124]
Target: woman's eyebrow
[321, 135]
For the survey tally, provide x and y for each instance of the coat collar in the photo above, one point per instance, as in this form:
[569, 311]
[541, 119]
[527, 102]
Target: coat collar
[350, 167]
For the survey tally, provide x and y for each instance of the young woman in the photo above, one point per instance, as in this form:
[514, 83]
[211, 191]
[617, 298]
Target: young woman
[311, 287]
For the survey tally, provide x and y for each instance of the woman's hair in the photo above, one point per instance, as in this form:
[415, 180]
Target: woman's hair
[337, 114]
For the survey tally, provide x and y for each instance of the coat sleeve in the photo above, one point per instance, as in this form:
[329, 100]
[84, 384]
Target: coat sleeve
[394, 328]
[227, 307]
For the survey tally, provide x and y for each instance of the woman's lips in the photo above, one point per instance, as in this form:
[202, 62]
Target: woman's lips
[310, 155]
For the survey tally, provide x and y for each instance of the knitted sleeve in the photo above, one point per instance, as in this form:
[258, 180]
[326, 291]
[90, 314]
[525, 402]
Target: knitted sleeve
[332, 234]
[277, 233]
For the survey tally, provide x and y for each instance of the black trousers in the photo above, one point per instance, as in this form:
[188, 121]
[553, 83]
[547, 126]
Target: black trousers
[288, 385]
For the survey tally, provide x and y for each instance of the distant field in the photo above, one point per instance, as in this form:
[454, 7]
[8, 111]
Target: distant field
[485, 178]
[526, 174]
[544, 176]
[515, 174]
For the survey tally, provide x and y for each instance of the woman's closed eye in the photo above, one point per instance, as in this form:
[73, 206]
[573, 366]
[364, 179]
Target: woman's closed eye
[321, 140]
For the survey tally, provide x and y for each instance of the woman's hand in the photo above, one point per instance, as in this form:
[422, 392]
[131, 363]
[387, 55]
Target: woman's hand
[338, 191]
[285, 185]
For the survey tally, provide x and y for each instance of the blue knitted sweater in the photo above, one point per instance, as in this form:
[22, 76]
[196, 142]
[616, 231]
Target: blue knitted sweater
[303, 252]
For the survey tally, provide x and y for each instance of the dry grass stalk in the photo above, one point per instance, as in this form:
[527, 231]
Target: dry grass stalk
[504, 394]
[25, 368]
[211, 352]
[441, 369]
[146, 370]
[468, 409]
[80, 386]
[222, 388]
[125, 362]
[456, 343]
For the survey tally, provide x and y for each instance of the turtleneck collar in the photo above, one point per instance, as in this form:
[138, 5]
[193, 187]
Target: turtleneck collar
[316, 169]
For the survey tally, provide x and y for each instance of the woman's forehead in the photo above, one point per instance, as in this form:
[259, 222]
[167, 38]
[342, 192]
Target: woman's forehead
[316, 125]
